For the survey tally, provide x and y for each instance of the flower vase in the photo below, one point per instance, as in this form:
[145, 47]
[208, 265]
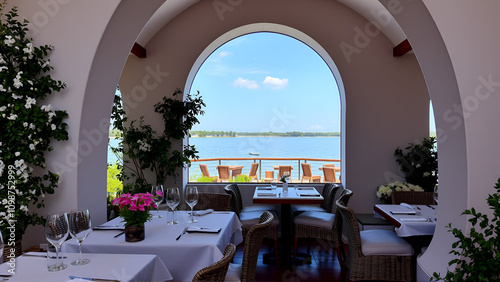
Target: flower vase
[134, 233]
[285, 187]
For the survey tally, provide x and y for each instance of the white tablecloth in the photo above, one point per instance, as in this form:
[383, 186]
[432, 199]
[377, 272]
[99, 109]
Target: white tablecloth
[412, 224]
[106, 266]
[183, 257]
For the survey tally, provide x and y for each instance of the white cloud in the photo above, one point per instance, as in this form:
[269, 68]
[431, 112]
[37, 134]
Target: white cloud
[275, 83]
[223, 54]
[245, 83]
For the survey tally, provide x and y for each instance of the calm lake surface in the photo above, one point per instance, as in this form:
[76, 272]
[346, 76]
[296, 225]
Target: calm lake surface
[267, 147]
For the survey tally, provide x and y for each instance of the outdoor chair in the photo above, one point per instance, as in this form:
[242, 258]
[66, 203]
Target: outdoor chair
[319, 224]
[215, 201]
[250, 215]
[329, 174]
[224, 173]
[284, 168]
[269, 176]
[307, 174]
[412, 198]
[253, 172]
[253, 241]
[372, 254]
[218, 270]
[204, 171]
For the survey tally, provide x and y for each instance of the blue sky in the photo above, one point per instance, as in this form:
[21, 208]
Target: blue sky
[267, 82]
[264, 82]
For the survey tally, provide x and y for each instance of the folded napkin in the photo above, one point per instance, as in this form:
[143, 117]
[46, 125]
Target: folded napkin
[415, 219]
[35, 254]
[309, 194]
[105, 226]
[306, 188]
[203, 229]
[397, 209]
[265, 188]
[202, 212]
[266, 194]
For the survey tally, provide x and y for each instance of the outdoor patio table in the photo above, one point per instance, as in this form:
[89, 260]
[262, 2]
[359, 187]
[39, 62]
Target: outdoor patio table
[235, 170]
[103, 266]
[183, 257]
[285, 200]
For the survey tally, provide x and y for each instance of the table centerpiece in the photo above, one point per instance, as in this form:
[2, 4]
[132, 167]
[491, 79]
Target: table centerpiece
[135, 212]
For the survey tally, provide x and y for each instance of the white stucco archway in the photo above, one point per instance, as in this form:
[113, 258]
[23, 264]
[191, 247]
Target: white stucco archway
[285, 30]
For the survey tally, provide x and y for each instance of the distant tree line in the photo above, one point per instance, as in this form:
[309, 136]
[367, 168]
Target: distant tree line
[270, 133]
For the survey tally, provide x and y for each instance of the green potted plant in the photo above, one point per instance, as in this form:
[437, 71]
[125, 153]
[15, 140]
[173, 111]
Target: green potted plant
[28, 127]
[478, 252]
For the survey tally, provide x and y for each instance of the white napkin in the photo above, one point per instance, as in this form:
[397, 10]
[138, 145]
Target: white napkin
[203, 212]
[77, 280]
[203, 229]
[107, 226]
[415, 219]
[309, 193]
[35, 254]
[265, 188]
[306, 188]
[266, 194]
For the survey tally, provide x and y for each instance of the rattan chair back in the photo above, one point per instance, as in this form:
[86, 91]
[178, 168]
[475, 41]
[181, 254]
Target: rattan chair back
[204, 170]
[253, 242]
[224, 173]
[236, 201]
[329, 192]
[218, 270]
[329, 174]
[284, 168]
[412, 198]
[215, 201]
[253, 171]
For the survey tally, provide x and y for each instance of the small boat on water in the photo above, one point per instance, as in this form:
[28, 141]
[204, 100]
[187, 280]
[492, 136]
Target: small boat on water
[254, 153]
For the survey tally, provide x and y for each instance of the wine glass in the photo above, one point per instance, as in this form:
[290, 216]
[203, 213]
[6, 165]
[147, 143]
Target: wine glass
[79, 227]
[157, 192]
[192, 200]
[56, 232]
[173, 199]
[435, 195]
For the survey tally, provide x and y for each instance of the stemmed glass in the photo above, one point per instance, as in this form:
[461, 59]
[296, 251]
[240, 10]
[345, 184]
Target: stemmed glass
[435, 195]
[192, 200]
[79, 227]
[157, 192]
[56, 232]
[173, 199]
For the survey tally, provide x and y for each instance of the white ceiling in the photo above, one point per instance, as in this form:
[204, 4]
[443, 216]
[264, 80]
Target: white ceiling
[372, 10]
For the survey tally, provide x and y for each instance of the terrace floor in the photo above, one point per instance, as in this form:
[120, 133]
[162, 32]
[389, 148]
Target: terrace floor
[324, 266]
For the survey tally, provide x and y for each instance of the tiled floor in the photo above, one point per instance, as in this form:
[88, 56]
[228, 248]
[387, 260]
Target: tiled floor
[324, 266]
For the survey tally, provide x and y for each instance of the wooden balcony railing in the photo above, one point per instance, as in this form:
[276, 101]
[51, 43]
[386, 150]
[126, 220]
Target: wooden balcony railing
[265, 164]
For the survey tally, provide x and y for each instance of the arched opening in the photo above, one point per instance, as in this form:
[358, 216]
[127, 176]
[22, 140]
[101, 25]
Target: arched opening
[291, 35]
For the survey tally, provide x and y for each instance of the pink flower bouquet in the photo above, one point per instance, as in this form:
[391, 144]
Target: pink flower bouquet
[135, 208]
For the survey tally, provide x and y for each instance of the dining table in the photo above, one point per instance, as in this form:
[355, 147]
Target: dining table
[294, 195]
[184, 253]
[32, 266]
[409, 220]
[235, 170]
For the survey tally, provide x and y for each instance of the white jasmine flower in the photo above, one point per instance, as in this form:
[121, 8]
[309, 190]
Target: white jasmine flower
[2, 166]
[17, 154]
[3, 108]
[46, 108]
[12, 117]
[32, 147]
[46, 63]
[33, 191]
[2, 61]
[17, 80]
[19, 163]
[9, 41]
[53, 126]
[29, 50]
[29, 102]
[4, 201]
[24, 208]
[3, 68]
[32, 126]
[16, 96]
[25, 124]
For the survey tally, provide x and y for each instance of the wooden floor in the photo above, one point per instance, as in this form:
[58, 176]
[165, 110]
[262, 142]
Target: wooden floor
[324, 266]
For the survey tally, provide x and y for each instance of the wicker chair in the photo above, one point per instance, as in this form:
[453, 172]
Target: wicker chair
[329, 174]
[318, 224]
[413, 198]
[327, 205]
[224, 173]
[373, 254]
[250, 215]
[246, 271]
[217, 202]
[253, 172]
[218, 270]
[307, 174]
[284, 168]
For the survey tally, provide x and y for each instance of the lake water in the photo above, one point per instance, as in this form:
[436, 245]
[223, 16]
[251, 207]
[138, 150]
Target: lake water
[267, 147]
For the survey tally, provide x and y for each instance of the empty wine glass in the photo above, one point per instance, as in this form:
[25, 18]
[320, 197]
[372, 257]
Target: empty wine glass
[192, 200]
[173, 199]
[436, 193]
[157, 192]
[56, 232]
[79, 227]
